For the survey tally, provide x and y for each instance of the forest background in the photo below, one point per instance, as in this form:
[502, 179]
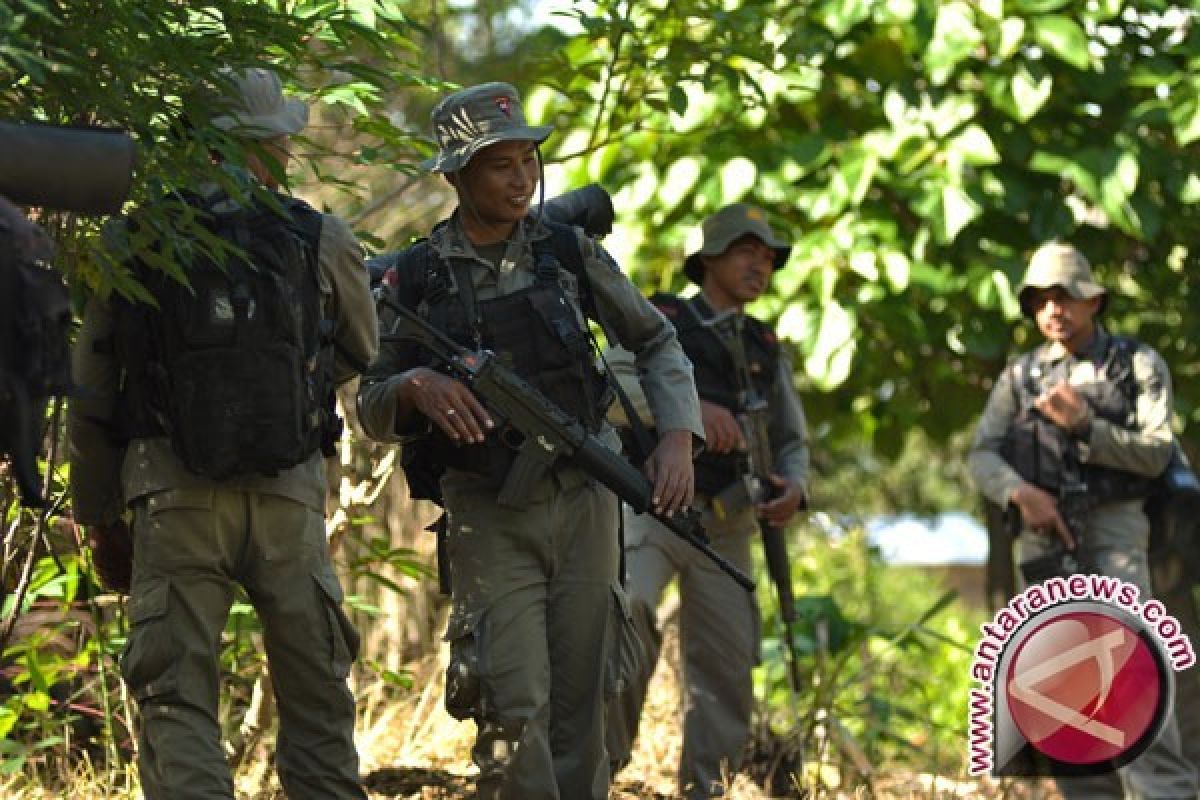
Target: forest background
[915, 151]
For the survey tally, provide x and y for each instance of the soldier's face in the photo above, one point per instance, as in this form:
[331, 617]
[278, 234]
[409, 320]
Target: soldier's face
[498, 183]
[268, 159]
[742, 273]
[1061, 317]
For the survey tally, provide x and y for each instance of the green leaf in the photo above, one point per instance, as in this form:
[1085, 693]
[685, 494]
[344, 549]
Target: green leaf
[832, 351]
[975, 146]
[1030, 91]
[839, 16]
[678, 100]
[958, 210]
[1012, 31]
[1063, 37]
[1185, 112]
[955, 38]
[1190, 193]
[1039, 6]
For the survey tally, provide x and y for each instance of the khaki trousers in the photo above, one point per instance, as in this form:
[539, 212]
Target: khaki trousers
[190, 548]
[529, 633]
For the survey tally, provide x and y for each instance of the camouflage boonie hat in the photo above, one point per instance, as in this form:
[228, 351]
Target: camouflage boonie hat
[727, 226]
[1059, 264]
[471, 119]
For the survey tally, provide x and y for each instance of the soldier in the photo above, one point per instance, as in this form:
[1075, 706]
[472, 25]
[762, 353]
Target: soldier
[1103, 404]
[735, 357]
[532, 587]
[167, 403]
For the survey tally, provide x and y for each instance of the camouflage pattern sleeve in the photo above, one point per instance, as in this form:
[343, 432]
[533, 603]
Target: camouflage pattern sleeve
[346, 287]
[788, 428]
[664, 372]
[1146, 449]
[95, 458]
[991, 473]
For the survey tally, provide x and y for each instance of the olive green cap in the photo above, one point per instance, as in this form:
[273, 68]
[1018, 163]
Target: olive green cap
[727, 226]
[471, 119]
[1059, 264]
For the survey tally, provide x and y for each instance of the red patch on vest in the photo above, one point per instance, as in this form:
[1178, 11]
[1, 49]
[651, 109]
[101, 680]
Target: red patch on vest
[769, 336]
[504, 106]
[670, 311]
[391, 277]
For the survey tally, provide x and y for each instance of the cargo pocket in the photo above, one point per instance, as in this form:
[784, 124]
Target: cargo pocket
[627, 654]
[464, 681]
[340, 632]
[149, 662]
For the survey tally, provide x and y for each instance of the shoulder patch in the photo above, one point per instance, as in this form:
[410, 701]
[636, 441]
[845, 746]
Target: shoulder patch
[391, 277]
[667, 311]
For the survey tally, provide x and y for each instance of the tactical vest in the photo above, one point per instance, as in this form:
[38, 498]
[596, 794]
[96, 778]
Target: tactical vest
[1044, 454]
[236, 369]
[533, 331]
[715, 375]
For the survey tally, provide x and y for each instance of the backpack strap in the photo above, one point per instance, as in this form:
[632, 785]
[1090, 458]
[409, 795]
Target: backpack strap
[566, 247]
[1123, 348]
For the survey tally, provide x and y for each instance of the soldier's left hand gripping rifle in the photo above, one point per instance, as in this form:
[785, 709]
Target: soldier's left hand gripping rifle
[85, 170]
[542, 434]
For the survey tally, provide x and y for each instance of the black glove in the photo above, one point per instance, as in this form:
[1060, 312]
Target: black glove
[112, 554]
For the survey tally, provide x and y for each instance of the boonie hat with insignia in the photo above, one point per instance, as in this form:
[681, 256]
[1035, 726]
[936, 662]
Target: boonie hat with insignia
[471, 119]
[727, 226]
[255, 107]
[1059, 264]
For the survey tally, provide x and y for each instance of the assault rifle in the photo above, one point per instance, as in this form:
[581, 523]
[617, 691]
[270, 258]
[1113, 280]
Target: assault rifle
[541, 433]
[1074, 506]
[755, 487]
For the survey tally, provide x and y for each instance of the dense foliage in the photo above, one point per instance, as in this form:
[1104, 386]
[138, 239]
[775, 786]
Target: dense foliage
[917, 151]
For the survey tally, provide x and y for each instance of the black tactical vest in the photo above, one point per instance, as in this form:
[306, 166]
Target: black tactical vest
[716, 375]
[534, 331]
[1044, 454]
[236, 368]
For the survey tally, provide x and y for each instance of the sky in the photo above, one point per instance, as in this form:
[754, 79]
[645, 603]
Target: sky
[954, 538]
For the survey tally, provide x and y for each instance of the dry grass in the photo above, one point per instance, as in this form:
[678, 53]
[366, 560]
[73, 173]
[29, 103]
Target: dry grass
[413, 750]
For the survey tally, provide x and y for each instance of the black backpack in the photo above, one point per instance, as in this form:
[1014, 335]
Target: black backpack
[35, 321]
[237, 367]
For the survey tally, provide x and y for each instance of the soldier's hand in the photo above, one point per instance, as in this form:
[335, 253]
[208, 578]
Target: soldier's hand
[1039, 512]
[778, 511]
[112, 554]
[669, 468]
[1063, 406]
[722, 434]
[449, 404]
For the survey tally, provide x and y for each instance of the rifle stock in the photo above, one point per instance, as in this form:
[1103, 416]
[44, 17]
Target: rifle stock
[548, 433]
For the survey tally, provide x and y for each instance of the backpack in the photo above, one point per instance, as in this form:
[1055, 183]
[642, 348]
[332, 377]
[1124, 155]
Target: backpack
[237, 367]
[35, 321]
